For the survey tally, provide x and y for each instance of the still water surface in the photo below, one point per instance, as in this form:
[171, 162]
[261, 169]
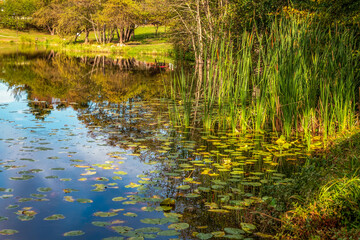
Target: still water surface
[88, 142]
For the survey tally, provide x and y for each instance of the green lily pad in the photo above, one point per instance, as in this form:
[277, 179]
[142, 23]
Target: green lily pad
[23, 177]
[179, 226]
[54, 217]
[234, 236]
[148, 230]
[191, 195]
[44, 189]
[234, 231]
[168, 233]
[183, 187]
[8, 232]
[38, 195]
[118, 199]
[105, 214]
[101, 224]
[122, 229]
[120, 173]
[248, 227]
[12, 206]
[3, 218]
[130, 214]
[84, 200]
[204, 236]
[113, 238]
[25, 199]
[6, 190]
[73, 233]
[25, 217]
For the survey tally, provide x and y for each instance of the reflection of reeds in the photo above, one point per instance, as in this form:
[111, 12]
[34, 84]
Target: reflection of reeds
[296, 78]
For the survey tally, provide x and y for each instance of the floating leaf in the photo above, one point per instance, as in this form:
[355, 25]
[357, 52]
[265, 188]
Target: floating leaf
[105, 214]
[101, 224]
[192, 195]
[69, 199]
[234, 231]
[84, 200]
[178, 226]
[168, 202]
[44, 189]
[122, 229]
[183, 187]
[113, 238]
[130, 214]
[73, 233]
[8, 232]
[248, 227]
[54, 217]
[118, 199]
[168, 233]
[234, 236]
[120, 173]
[148, 230]
[204, 235]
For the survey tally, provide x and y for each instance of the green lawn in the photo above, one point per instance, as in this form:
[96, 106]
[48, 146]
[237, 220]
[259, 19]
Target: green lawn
[145, 42]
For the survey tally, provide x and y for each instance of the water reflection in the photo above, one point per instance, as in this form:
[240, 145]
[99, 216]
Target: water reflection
[51, 78]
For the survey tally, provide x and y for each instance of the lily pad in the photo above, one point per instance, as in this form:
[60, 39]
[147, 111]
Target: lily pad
[73, 233]
[54, 217]
[130, 214]
[118, 199]
[113, 238]
[44, 189]
[8, 232]
[248, 227]
[105, 214]
[101, 224]
[122, 229]
[178, 226]
[168, 233]
[234, 231]
[84, 200]
[148, 230]
[204, 236]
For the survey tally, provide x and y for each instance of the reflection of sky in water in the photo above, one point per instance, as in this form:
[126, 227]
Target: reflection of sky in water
[5, 95]
[67, 138]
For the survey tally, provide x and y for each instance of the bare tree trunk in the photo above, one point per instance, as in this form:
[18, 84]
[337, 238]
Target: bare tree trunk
[86, 36]
[104, 34]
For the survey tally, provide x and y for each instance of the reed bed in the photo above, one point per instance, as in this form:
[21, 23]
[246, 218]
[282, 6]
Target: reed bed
[296, 78]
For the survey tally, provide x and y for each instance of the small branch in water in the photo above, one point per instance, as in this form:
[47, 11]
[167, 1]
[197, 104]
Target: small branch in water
[266, 215]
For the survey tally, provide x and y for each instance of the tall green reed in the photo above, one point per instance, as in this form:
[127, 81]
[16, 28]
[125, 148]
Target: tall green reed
[298, 77]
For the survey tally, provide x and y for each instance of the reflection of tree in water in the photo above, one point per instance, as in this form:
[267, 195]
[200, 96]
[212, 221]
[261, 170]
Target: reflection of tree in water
[63, 81]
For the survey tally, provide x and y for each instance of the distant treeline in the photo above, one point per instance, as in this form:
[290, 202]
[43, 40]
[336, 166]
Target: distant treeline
[194, 23]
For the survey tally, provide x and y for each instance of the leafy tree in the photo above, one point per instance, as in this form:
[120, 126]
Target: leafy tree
[122, 16]
[47, 15]
[17, 13]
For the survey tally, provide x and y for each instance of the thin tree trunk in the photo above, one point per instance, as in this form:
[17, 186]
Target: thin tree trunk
[86, 36]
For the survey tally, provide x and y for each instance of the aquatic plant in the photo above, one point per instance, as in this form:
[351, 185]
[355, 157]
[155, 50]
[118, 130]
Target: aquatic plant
[298, 77]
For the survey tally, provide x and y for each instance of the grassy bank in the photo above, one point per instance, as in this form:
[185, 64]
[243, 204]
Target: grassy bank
[324, 200]
[145, 42]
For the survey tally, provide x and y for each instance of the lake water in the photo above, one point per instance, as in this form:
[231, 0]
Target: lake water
[87, 149]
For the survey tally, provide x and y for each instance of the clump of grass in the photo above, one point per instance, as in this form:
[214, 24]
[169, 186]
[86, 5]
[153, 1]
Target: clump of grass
[337, 206]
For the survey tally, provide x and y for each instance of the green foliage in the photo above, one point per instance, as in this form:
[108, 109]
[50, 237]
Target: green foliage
[17, 14]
